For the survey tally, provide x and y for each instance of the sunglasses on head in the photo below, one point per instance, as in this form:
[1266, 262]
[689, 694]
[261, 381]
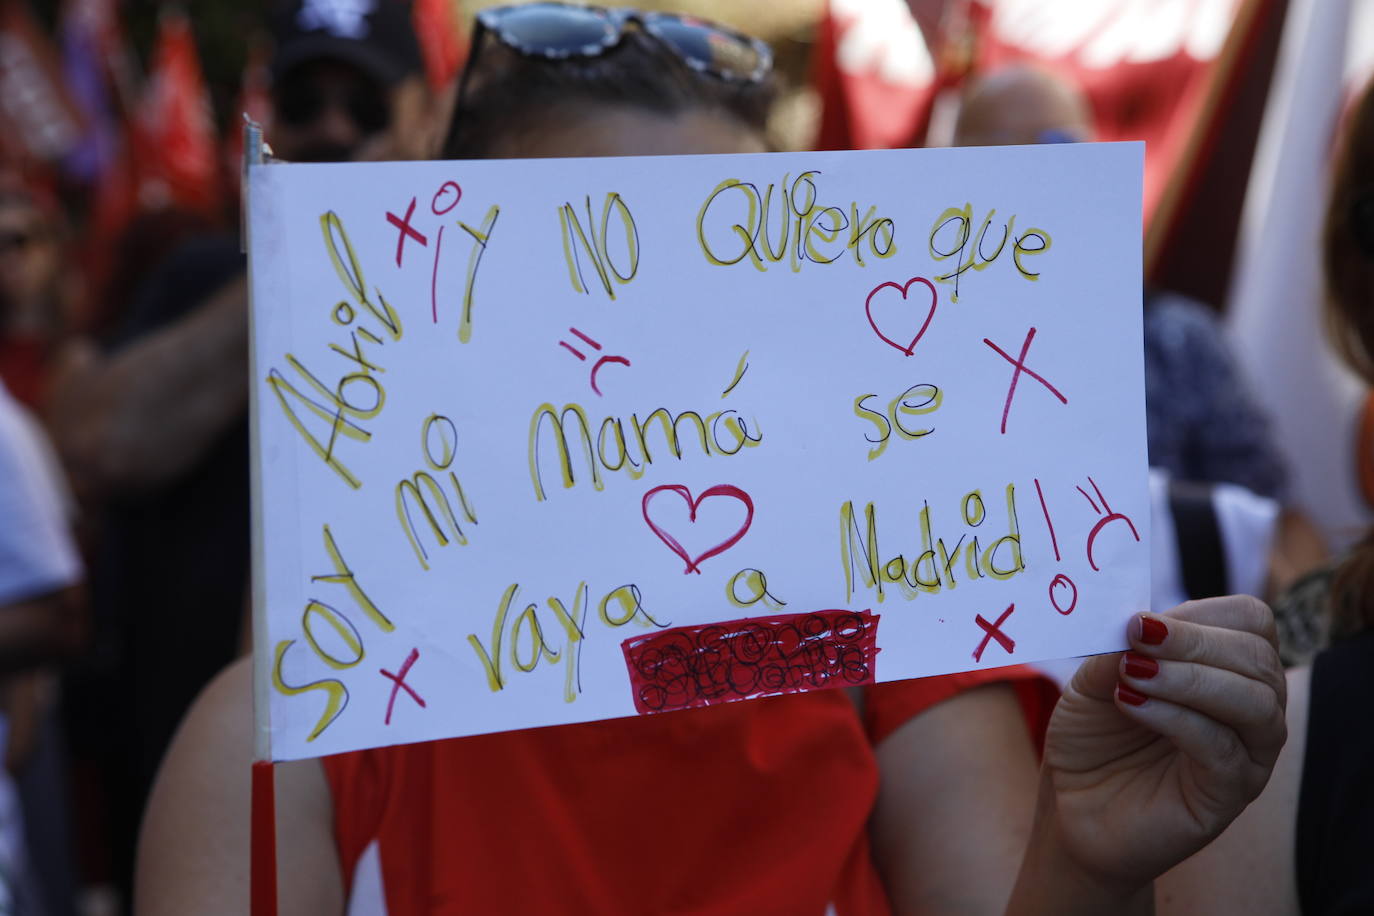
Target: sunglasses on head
[563, 31]
[557, 31]
[300, 102]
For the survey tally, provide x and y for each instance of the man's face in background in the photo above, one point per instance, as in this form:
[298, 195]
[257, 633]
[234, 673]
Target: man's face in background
[330, 110]
[30, 266]
[325, 110]
[348, 82]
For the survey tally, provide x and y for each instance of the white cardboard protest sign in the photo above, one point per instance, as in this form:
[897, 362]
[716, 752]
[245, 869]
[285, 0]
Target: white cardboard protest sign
[527, 431]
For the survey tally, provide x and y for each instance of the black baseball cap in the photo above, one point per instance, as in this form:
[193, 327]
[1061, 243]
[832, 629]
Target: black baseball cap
[376, 36]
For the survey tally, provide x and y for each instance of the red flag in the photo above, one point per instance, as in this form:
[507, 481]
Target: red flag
[441, 41]
[874, 73]
[113, 206]
[177, 148]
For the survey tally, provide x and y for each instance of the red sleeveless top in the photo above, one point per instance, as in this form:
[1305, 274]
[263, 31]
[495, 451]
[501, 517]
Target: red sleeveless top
[749, 807]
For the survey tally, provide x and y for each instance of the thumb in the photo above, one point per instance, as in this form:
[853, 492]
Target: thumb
[1096, 678]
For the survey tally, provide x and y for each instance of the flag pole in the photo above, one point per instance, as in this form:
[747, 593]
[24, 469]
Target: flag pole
[263, 829]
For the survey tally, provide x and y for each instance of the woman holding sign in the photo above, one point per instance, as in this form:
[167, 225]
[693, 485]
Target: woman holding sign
[916, 796]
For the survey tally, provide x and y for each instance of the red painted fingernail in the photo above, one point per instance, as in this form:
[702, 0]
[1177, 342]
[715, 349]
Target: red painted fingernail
[1140, 667]
[1152, 630]
[1129, 696]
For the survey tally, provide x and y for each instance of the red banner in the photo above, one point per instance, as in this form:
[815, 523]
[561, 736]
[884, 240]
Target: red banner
[442, 42]
[177, 147]
[875, 75]
[1152, 70]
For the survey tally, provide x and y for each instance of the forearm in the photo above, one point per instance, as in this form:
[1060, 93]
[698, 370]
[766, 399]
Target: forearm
[1051, 881]
[147, 413]
[948, 829]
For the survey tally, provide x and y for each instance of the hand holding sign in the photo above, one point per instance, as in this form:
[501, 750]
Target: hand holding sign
[1151, 754]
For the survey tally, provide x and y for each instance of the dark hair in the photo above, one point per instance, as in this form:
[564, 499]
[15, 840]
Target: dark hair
[1348, 260]
[508, 91]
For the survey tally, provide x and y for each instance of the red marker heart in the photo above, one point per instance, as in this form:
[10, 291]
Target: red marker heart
[693, 564]
[868, 309]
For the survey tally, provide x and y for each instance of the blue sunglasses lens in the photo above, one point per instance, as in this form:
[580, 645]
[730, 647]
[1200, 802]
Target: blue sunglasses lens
[706, 47]
[554, 30]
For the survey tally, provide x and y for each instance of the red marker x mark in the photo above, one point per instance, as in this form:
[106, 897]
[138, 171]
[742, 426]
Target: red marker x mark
[406, 230]
[399, 683]
[1020, 364]
[1003, 640]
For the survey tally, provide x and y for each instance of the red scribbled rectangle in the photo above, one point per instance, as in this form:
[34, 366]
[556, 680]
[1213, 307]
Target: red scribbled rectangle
[715, 663]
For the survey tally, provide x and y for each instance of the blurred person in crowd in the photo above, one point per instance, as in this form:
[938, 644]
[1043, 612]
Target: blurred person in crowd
[1203, 425]
[1304, 845]
[36, 287]
[149, 237]
[42, 620]
[156, 429]
[826, 801]
[1022, 105]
